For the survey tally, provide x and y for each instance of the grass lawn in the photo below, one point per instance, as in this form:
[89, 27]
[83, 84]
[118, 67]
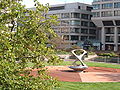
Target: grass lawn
[92, 64]
[102, 64]
[61, 52]
[89, 86]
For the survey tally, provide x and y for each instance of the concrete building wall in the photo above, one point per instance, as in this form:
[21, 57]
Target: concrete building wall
[75, 22]
[107, 17]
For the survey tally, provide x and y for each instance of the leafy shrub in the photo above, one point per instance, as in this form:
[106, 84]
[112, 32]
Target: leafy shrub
[91, 53]
[61, 52]
[112, 54]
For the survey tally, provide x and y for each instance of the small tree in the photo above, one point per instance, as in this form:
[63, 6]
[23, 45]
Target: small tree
[23, 37]
[59, 43]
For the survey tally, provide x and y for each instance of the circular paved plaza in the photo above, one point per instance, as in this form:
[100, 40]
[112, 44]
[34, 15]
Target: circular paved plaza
[92, 74]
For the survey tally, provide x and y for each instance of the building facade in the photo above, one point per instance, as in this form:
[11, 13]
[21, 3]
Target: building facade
[75, 22]
[107, 19]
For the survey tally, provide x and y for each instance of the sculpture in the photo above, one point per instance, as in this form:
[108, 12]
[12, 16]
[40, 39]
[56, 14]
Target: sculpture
[80, 58]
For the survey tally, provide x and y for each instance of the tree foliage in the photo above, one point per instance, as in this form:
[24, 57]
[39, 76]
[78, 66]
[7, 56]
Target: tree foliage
[23, 37]
[59, 43]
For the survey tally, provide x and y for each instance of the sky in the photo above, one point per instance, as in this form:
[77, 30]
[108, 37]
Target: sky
[29, 3]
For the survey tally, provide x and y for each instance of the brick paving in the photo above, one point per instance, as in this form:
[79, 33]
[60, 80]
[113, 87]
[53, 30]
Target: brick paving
[92, 74]
[100, 77]
[64, 74]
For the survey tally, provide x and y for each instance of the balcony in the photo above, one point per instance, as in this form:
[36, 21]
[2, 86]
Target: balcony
[109, 41]
[96, 0]
[109, 30]
[109, 33]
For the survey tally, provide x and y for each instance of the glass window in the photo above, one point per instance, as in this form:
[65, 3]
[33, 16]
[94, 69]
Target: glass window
[65, 15]
[96, 0]
[109, 30]
[84, 16]
[96, 6]
[79, 7]
[64, 23]
[118, 30]
[91, 17]
[108, 23]
[84, 38]
[109, 39]
[109, 47]
[92, 37]
[106, 13]
[117, 13]
[96, 14]
[74, 37]
[84, 31]
[107, 6]
[75, 22]
[117, 5]
[57, 8]
[74, 30]
[92, 31]
[119, 39]
[89, 8]
[84, 23]
[106, 0]
[117, 22]
[75, 15]
[92, 24]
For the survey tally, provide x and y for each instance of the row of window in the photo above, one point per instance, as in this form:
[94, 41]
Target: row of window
[110, 39]
[76, 37]
[107, 13]
[72, 15]
[96, 0]
[106, 5]
[111, 30]
[75, 30]
[85, 31]
[88, 8]
[100, 0]
[77, 23]
[111, 23]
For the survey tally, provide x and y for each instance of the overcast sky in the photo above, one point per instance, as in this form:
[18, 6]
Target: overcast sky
[29, 3]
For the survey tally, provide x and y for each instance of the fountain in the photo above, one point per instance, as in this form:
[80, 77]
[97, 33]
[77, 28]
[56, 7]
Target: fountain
[80, 58]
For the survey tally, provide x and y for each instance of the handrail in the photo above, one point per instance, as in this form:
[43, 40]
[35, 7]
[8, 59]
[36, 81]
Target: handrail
[79, 57]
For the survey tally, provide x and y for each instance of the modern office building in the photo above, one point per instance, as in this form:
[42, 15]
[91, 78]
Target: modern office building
[75, 22]
[107, 19]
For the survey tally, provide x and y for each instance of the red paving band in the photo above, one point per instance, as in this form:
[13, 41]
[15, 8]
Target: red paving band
[92, 74]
